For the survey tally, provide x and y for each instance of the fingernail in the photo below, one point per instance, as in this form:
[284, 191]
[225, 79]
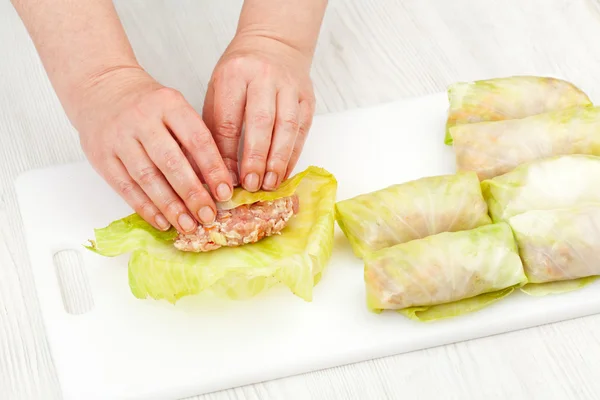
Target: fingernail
[251, 182]
[206, 215]
[162, 222]
[270, 180]
[223, 192]
[234, 178]
[186, 222]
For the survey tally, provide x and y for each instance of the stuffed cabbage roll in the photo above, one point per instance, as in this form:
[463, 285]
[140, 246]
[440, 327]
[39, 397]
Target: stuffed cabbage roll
[412, 210]
[295, 257]
[559, 245]
[494, 148]
[558, 287]
[444, 275]
[551, 183]
[509, 98]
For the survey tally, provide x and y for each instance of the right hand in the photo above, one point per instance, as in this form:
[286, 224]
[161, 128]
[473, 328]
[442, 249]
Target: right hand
[131, 128]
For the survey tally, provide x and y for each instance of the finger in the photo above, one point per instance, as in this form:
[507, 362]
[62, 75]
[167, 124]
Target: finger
[209, 120]
[166, 154]
[260, 117]
[305, 121]
[284, 138]
[119, 179]
[146, 174]
[228, 101]
[189, 157]
[192, 162]
[188, 127]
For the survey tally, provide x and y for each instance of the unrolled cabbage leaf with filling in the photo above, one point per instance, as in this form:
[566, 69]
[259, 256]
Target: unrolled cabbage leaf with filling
[495, 148]
[412, 210]
[550, 183]
[509, 98]
[560, 248]
[444, 275]
[295, 258]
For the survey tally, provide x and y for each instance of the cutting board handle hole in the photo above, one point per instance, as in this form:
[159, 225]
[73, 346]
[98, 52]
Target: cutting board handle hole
[73, 281]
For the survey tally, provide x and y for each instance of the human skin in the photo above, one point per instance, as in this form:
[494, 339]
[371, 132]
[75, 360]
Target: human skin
[146, 140]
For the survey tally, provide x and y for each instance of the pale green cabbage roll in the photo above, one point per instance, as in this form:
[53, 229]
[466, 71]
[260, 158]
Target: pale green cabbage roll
[559, 245]
[551, 183]
[558, 287]
[444, 275]
[295, 258]
[494, 148]
[412, 210]
[509, 98]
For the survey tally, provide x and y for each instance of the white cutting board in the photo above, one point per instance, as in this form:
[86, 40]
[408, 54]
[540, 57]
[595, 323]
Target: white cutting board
[127, 348]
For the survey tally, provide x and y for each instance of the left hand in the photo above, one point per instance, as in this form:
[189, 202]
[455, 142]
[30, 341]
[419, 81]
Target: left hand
[265, 84]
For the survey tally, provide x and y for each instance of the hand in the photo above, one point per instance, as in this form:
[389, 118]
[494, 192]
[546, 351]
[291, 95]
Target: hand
[264, 84]
[131, 128]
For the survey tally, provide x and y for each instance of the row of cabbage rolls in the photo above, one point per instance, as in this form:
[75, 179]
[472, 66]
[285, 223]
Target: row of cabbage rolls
[522, 212]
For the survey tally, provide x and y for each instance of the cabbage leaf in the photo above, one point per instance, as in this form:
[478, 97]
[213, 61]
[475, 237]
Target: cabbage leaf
[551, 183]
[509, 98]
[495, 148]
[444, 275]
[412, 210]
[559, 248]
[295, 258]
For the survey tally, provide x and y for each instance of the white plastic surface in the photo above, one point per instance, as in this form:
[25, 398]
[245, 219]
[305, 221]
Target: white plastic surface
[127, 348]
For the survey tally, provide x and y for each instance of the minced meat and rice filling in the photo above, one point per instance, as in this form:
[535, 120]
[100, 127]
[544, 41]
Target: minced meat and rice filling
[242, 225]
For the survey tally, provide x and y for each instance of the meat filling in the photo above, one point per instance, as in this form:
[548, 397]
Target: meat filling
[242, 225]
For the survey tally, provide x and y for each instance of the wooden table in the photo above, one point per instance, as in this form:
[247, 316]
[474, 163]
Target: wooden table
[370, 51]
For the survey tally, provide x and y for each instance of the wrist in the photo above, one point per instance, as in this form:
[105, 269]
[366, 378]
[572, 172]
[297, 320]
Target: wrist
[294, 23]
[103, 87]
[254, 40]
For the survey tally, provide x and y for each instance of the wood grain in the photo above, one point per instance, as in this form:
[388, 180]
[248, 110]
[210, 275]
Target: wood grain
[370, 51]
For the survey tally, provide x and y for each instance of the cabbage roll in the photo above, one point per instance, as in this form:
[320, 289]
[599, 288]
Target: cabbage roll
[296, 257]
[551, 183]
[559, 245]
[509, 98]
[494, 148]
[444, 275]
[412, 210]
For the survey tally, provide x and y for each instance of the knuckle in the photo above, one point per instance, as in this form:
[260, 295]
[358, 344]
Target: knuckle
[186, 111]
[212, 171]
[277, 163]
[230, 67]
[169, 94]
[137, 112]
[142, 112]
[172, 206]
[235, 63]
[295, 153]
[228, 129]
[289, 122]
[304, 128]
[262, 118]
[97, 153]
[199, 140]
[146, 209]
[218, 78]
[196, 195]
[265, 68]
[121, 130]
[279, 157]
[148, 175]
[125, 188]
[173, 162]
[256, 156]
